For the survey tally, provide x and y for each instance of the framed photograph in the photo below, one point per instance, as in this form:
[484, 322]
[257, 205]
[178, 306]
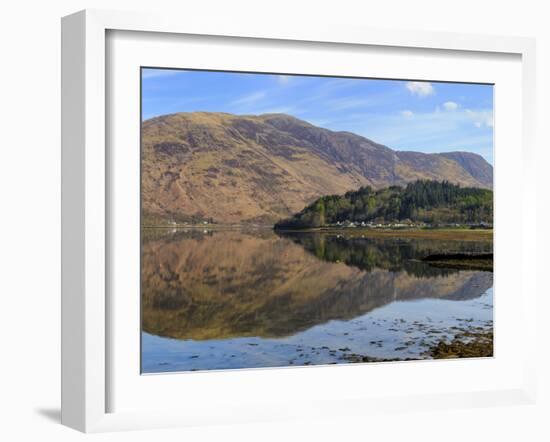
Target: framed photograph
[269, 240]
[262, 222]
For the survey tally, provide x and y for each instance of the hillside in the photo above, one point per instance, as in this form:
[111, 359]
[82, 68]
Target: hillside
[421, 201]
[243, 169]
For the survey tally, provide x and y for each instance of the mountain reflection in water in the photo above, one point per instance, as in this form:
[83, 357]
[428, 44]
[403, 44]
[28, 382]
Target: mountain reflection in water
[220, 285]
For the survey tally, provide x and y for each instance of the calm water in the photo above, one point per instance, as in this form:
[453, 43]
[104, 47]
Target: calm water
[236, 299]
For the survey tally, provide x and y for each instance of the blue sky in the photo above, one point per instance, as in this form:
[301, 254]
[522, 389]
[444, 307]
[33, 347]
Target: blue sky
[404, 115]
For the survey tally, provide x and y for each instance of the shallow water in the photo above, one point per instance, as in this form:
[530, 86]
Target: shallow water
[234, 299]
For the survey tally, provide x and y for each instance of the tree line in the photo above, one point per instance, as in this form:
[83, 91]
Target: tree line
[424, 201]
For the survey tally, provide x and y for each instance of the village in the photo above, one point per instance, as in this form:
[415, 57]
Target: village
[407, 224]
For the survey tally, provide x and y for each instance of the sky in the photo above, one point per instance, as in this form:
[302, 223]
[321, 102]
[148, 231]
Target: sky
[403, 115]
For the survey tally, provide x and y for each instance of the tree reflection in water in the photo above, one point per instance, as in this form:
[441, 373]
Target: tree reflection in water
[216, 285]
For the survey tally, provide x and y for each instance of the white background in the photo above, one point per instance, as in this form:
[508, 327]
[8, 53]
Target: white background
[29, 222]
[261, 391]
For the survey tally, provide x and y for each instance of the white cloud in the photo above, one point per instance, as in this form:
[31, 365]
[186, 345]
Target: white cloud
[480, 118]
[425, 131]
[420, 88]
[278, 110]
[450, 105]
[336, 84]
[250, 98]
[407, 113]
[283, 79]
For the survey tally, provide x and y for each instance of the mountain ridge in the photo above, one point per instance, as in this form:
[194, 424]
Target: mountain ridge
[260, 168]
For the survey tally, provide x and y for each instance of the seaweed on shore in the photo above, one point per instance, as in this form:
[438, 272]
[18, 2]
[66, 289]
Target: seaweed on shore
[465, 345]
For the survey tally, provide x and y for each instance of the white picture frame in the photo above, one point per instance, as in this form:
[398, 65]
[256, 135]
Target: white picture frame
[86, 206]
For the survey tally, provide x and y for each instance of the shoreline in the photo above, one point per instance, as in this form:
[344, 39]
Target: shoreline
[473, 343]
[209, 226]
[449, 234]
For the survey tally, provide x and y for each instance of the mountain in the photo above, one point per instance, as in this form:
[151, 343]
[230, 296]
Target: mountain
[231, 169]
[423, 200]
[471, 163]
